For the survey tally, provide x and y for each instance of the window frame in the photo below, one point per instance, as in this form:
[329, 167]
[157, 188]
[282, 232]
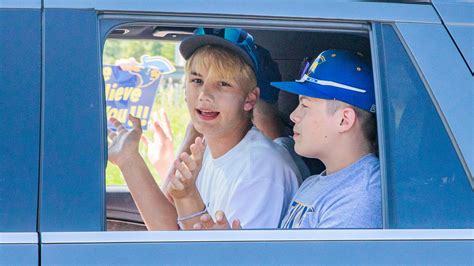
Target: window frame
[109, 22]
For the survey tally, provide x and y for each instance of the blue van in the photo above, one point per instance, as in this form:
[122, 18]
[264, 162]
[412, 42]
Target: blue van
[54, 204]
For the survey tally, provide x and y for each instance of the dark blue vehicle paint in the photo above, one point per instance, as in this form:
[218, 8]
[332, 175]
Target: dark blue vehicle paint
[450, 85]
[73, 173]
[20, 73]
[458, 18]
[19, 254]
[427, 185]
[20, 84]
[275, 253]
[60, 45]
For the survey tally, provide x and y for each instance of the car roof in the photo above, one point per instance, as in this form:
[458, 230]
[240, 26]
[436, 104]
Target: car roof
[350, 10]
[458, 18]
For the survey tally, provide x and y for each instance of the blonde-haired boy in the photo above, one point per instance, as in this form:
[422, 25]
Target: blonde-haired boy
[243, 173]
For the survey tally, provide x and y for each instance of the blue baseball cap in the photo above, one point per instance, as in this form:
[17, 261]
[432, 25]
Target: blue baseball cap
[234, 39]
[336, 74]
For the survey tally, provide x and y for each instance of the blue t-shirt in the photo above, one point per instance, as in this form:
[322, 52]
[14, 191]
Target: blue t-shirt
[349, 198]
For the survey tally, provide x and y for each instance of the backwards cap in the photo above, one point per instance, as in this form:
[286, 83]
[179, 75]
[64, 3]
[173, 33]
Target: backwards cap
[236, 40]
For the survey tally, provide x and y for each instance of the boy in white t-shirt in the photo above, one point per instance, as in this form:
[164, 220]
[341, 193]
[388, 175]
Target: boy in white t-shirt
[243, 172]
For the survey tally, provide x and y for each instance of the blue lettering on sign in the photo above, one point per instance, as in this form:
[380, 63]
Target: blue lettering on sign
[133, 91]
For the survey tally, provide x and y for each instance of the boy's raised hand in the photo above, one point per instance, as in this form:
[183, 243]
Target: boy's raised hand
[160, 148]
[221, 223]
[129, 64]
[197, 152]
[183, 182]
[123, 145]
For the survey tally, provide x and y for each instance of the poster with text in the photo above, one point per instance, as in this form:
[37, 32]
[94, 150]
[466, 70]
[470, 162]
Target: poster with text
[131, 87]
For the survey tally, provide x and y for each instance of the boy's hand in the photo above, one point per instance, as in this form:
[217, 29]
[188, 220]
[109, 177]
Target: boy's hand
[197, 153]
[189, 139]
[130, 64]
[206, 223]
[160, 148]
[123, 145]
[183, 183]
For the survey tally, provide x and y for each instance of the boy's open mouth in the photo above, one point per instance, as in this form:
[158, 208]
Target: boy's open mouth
[206, 114]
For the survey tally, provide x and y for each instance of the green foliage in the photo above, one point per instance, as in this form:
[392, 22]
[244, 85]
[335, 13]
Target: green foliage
[170, 96]
[123, 49]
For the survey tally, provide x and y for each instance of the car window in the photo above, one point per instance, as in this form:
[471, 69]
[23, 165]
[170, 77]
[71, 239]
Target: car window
[426, 184]
[119, 46]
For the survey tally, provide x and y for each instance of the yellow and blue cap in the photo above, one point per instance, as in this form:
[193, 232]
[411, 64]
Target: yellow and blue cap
[336, 74]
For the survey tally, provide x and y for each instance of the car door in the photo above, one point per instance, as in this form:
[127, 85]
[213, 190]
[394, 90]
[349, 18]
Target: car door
[20, 99]
[72, 220]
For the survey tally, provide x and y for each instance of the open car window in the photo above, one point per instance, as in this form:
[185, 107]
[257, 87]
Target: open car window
[130, 49]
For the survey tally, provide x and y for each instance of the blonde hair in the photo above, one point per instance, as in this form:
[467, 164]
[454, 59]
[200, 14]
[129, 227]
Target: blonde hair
[368, 121]
[224, 62]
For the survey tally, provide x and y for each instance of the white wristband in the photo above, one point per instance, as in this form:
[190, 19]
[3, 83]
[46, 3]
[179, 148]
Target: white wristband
[187, 217]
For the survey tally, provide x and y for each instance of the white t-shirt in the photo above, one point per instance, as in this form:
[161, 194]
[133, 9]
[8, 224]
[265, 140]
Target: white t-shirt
[254, 182]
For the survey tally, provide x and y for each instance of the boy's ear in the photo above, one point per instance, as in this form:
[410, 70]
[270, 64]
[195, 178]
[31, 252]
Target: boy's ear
[251, 99]
[348, 119]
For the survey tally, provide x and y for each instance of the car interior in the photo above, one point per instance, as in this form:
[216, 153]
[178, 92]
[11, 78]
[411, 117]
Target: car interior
[287, 48]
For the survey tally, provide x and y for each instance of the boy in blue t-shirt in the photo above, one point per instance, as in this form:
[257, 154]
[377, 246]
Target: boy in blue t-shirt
[334, 122]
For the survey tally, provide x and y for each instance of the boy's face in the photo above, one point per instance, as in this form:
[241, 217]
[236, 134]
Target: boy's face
[315, 129]
[217, 106]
